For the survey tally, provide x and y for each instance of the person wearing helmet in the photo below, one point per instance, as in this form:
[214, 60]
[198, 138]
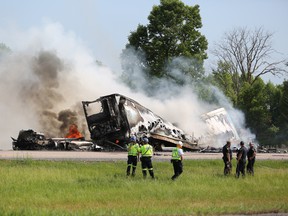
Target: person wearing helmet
[241, 160]
[133, 154]
[177, 158]
[146, 151]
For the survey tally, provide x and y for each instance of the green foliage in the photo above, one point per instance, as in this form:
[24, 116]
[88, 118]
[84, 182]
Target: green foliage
[4, 49]
[173, 31]
[226, 81]
[101, 188]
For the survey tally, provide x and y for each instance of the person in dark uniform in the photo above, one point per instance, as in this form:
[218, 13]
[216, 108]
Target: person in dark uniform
[133, 154]
[251, 155]
[227, 157]
[241, 160]
[176, 160]
[146, 151]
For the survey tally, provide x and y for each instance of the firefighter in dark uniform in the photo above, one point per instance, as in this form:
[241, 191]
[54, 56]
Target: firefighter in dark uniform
[133, 154]
[241, 160]
[227, 157]
[251, 155]
[177, 158]
[146, 151]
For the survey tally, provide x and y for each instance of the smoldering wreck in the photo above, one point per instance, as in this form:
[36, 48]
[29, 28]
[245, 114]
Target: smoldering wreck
[112, 119]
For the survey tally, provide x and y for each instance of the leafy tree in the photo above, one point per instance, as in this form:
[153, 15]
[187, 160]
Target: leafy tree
[249, 54]
[253, 103]
[173, 31]
[223, 79]
[283, 114]
[4, 49]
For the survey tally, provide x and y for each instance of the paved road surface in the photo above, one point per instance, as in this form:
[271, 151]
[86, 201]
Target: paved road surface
[114, 156]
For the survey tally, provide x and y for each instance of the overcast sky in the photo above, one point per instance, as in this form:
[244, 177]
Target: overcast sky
[104, 25]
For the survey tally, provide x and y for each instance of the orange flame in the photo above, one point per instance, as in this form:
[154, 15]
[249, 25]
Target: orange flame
[73, 132]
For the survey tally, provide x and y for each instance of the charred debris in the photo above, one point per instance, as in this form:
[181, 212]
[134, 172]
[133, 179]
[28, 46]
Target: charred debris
[111, 120]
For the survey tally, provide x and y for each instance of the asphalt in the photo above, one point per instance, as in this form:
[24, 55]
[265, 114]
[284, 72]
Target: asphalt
[116, 156]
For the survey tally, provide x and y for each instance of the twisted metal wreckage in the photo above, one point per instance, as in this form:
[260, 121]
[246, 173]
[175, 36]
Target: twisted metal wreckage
[113, 118]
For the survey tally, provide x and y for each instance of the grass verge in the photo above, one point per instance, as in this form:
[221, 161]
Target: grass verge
[29, 187]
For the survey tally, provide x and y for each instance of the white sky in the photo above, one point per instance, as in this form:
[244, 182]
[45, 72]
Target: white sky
[104, 25]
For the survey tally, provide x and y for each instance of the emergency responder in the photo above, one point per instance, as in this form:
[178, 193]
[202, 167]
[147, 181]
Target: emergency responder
[146, 151]
[133, 155]
[251, 155]
[177, 158]
[241, 160]
[227, 157]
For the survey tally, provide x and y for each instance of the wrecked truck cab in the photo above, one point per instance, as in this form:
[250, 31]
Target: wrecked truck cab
[31, 140]
[112, 119]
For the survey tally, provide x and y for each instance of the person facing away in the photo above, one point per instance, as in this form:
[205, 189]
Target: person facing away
[146, 151]
[227, 157]
[133, 154]
[177, 158]
[251, 155]
[241, 160]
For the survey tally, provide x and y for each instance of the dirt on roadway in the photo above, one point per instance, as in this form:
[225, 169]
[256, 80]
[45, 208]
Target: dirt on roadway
[115, 156]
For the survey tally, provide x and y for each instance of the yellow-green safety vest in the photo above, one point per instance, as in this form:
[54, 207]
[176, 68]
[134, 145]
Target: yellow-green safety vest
[175, 154]
[146, 150]
[133, 149]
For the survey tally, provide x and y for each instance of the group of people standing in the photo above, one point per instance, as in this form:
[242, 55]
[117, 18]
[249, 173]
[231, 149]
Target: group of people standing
[144, 154]
[241, 155]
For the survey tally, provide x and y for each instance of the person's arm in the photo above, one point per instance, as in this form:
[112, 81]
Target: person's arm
[228, 156]
[180, 152]
[239, 157]
[253, 156]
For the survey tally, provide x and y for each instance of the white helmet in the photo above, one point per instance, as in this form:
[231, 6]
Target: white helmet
[180, 143]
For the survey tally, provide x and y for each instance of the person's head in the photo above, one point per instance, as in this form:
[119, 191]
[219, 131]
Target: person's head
[133, 139]
[145, 140]
[241, 143]
[251, 144]
[179, 144]
[228, 143]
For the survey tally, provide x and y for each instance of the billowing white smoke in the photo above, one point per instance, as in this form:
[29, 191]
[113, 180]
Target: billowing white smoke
[44, 79]
[50, 72]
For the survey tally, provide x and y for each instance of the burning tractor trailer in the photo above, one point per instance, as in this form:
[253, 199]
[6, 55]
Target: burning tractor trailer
[112, 119]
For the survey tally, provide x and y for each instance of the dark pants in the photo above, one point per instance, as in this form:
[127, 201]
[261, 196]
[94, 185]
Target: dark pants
[146, 163]
[227, 167]
[131, 162]
[178, 168]
[250, 166]
[240, 168]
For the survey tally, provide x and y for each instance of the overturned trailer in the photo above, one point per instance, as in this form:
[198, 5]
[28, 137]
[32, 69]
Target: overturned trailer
[220, 128]
[112, 119]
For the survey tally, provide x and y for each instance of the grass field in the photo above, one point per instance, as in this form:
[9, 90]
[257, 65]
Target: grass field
[29, 187]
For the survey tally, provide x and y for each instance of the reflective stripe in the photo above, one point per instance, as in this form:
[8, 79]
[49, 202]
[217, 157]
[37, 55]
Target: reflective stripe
[133, 149]
[175, 154]
[146, 150]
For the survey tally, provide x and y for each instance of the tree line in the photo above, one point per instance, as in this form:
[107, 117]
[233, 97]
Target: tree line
[244, 56]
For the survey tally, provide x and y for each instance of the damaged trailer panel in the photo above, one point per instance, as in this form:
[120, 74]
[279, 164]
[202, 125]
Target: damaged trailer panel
[220, 129]
[112, 119]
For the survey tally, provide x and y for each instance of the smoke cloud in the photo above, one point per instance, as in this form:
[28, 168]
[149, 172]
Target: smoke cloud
[50, 71]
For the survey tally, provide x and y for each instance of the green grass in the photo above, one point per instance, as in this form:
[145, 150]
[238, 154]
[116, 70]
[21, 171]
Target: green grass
[29, 187]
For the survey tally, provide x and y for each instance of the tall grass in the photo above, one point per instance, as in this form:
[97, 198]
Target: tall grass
[29, 187]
